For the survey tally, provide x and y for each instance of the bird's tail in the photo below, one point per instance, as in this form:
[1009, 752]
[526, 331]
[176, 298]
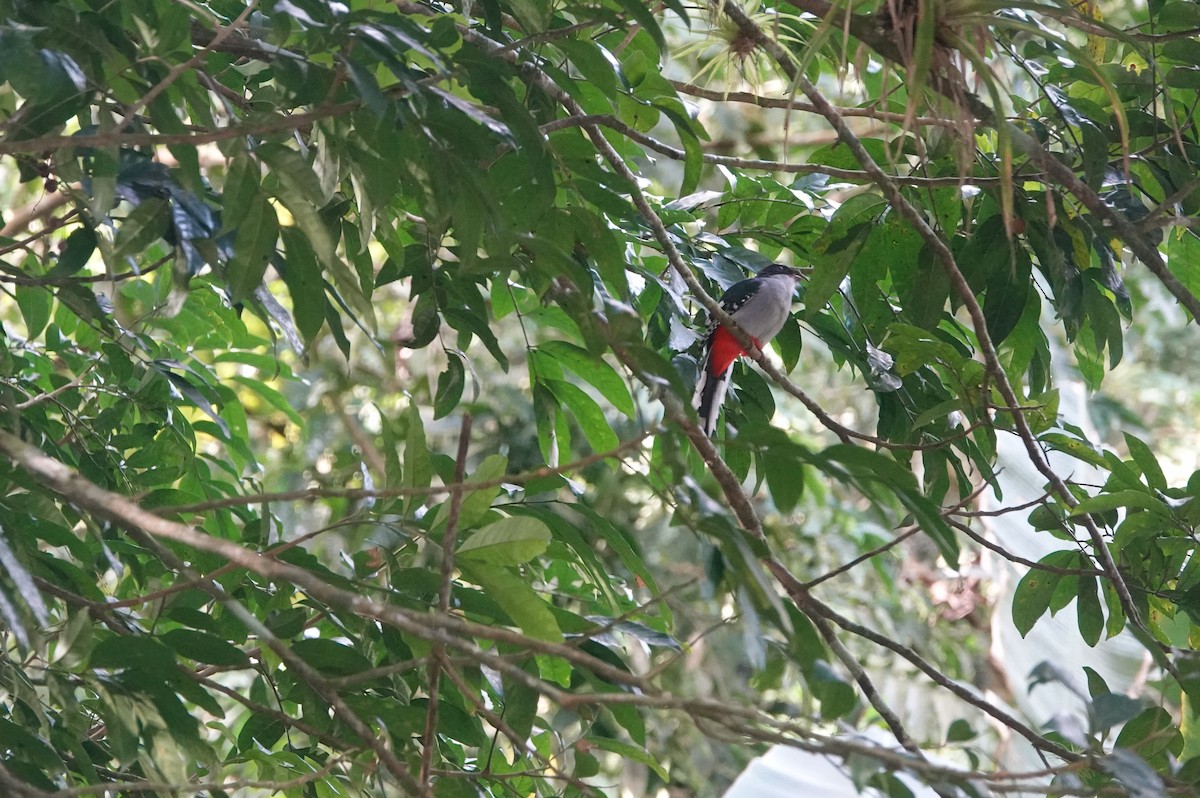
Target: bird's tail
[710, 395]
[721, 351]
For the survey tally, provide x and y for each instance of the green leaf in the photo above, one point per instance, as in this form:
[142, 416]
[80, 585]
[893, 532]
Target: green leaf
[999, 269]
[1122, 498]
[475, 323]
[29, 746]
[1032, 597]
[330, 657]
[425, 321]
[132, 651]
[253, 247]
[302, 275]
[1133, 773]
[476, 504]
[1095, 154]
[45, 73]
[1112, 709]
[75, 254]
[596, 64]
[623, 542]
[204, 647]
[632, 752]
[521, 702]
[785, 479]
[960, 731]
[272, 397]
[1150, 734]
[513, 593]
[1138, 527]
[589, 415]
[646, 19]
[301, 193]
[455, 723]
[836, 695]
[1183, 251]
[144, 225]
[923, 290]
[1145, 459]
[1079, 449]
[553, 434]
[287, 623]
[593, 370]
[1091, 616]
[835, 251]
[241, 189]
[418, 469]
[262, 730]
[294, 172]
[35, 302]
[839, 155]
[586, 765]
[693, 162]
[366, 84]
[509, 541]
[450, 386]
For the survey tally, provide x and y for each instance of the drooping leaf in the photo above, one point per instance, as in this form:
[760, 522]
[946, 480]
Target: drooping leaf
[450, 386]
[253, 247]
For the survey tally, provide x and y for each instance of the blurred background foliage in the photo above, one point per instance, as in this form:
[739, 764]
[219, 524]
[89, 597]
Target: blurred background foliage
[284, 273]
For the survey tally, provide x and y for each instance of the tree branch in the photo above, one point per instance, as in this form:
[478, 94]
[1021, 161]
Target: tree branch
[675, 153]
[312, 494]
[445, 589]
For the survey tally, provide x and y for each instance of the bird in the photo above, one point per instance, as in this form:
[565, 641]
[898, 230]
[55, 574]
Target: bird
[760, 305]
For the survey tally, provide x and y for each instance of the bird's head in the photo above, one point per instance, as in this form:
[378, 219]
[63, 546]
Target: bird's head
[779, 269]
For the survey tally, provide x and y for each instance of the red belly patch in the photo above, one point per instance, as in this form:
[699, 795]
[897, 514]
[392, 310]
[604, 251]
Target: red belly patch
[725, 350]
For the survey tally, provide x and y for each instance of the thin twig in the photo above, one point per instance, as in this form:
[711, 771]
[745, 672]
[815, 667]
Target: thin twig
[875, 552]
[675, 153]
[445, 590]
[866, 685]
[312, 494]
[815, 607]
[1016, 558]
[178, 70]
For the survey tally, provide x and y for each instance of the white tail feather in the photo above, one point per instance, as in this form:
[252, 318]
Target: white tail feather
[709, 396]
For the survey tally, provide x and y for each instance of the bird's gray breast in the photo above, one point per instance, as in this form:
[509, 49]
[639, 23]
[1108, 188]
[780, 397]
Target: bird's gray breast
[764, 313]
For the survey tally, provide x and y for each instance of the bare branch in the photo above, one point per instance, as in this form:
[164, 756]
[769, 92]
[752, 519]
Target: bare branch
[750, 98]
[445, 589]
[675, 153]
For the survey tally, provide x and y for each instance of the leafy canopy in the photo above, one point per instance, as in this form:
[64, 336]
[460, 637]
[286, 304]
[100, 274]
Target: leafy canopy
[346, 364]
